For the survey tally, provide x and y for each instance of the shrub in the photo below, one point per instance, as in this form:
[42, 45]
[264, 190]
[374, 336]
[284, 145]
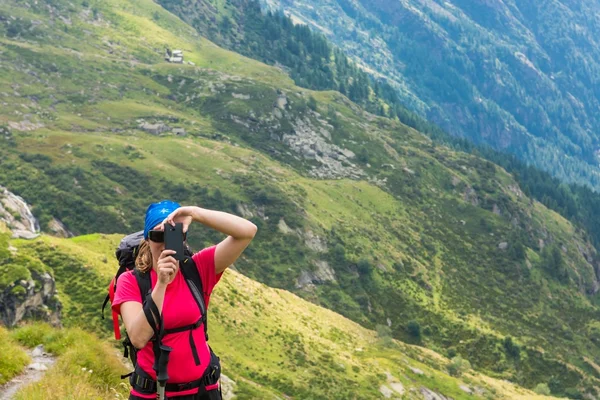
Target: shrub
[364, 267]
[312, 103]
[543, 389]
[458, 366]
[414, 329]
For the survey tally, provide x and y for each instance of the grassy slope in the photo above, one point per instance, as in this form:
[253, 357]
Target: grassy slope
[13, 360]
[426, 229]
[291, 346]
[86, 368]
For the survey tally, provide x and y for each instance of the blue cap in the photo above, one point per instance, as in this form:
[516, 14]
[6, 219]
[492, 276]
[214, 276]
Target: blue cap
[156, 213]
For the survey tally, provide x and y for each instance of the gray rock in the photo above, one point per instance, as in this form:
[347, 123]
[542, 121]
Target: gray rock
[465, 389]
[37, 367]
[496, 210]
[311, 144]
[314, 242]
[323, 273]
[471, 196]
[416, 371]
[281, 102]
[38, 351]
[277, 113]
[397, 387]
[59, 228]
[228, 387]
[241, 96]
[385, 391]
[25, 126]
[38, 301]
[283, 227]
[429, 394]
[244, 211]
[503, 245]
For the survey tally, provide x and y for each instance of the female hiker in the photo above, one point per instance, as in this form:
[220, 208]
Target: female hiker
[169, 320]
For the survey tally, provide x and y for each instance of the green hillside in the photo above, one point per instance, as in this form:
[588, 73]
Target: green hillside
[291, 347]
[356, 213]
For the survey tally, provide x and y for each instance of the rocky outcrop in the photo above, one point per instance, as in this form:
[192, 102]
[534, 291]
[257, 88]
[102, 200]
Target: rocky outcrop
[284, 228]
[228, 387]
[15, 213]
[59, 229]
[35, 298]
[315, 242]
[471, 196]
[313, 144]
[429, 394]
[323, 273]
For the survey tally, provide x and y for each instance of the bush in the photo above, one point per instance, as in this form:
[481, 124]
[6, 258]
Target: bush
[458, 366]
[312, 103]
[414, 329]
[512, 349]
[364, 267]
[543, 389]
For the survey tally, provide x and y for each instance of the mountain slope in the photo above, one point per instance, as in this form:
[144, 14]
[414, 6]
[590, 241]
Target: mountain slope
[518, 75]
[291, 347]
[355, 212]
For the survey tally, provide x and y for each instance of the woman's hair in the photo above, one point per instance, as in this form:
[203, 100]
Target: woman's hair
[143, 261]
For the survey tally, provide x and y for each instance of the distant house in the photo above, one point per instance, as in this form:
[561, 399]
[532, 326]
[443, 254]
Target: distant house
[174, 57]
[155, 129]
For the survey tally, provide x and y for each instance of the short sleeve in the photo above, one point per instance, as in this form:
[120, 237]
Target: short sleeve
[127, 290]
[205, 262]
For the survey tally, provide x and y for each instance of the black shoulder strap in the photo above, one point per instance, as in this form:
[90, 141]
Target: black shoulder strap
[144, 283]
[148, 306]
[152, 314]
[192, 278]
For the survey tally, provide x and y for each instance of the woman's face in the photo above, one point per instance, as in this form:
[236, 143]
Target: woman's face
[155, 247]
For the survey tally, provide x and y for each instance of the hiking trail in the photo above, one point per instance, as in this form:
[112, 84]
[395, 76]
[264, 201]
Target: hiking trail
[40, 363]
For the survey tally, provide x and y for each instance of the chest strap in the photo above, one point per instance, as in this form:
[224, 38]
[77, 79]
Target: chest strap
[190, 328]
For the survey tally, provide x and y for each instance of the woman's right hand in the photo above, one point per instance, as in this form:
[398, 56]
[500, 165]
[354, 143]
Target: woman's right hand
[167, 267]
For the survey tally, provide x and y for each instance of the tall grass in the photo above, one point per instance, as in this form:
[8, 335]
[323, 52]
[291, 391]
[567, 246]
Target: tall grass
[12, 357]
[86, 368]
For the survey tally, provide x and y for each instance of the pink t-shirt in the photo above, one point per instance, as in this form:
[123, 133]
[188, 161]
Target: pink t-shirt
[179, 309]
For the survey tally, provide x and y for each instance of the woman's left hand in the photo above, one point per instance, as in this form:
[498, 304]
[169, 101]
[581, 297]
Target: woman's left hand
[183, 215]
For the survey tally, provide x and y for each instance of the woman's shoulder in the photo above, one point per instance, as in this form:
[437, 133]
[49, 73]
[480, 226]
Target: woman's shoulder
[126, 278]
[204, 255]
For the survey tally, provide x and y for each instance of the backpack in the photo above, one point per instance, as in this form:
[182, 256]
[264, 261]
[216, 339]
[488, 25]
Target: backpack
[126, 254]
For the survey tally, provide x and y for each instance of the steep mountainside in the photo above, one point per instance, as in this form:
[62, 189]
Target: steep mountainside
[520, 75]
[290, 347]
[358, 213]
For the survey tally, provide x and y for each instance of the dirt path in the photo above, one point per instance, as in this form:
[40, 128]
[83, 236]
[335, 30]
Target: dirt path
[40, 362]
